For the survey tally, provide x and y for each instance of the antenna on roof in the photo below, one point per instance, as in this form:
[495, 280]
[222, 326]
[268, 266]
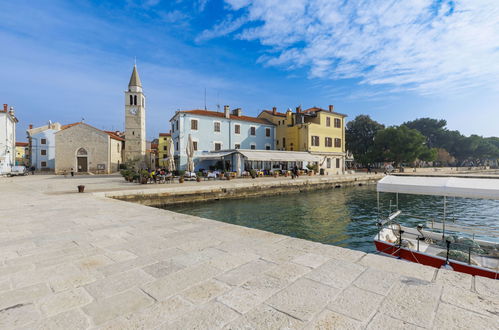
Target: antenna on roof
[218, 102]
[205, 98]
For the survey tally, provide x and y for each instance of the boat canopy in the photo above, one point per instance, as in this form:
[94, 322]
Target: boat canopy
[278, 156]
[441, 186]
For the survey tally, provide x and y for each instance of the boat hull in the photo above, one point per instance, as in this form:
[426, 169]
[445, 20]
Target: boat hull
[432, 260]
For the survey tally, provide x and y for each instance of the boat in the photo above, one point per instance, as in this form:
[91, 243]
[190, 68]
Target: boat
[468, 249]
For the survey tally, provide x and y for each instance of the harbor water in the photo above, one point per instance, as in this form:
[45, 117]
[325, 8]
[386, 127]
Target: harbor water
[343, 216]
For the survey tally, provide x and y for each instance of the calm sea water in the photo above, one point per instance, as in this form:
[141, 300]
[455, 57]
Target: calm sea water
[343, 216]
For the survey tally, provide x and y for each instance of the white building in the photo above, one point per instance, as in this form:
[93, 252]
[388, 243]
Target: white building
[42, 143]
[8, 123]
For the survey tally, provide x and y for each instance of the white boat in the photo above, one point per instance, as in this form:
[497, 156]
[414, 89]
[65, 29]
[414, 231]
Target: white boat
[440, 244]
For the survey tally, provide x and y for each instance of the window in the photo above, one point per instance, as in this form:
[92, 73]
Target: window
[267, 147]
[43, 164]
[337, 163]
[337, 122]
[267, 132]
[173, 127]
[176, 145]
[315, 141]
[195, 145]
[216, 126]
[131, 100]
[237, 129]
[218, 146]
[164, 148]
[43, 141]
[253, 146]
[337, 143]
[135, 100]
[253, 130]
[277, 142]
[177, 125]
[328, 121]
[81, 152]
[328, 163]
[329, 142]
[284, 142]
[194, 124]
[43, 152]
[237, 146]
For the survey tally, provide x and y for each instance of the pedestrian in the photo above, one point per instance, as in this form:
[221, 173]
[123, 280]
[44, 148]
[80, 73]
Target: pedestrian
[72, 171]
[32, 168]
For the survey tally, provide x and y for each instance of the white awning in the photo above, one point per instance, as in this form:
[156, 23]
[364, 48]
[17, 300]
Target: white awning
[279, 156]
[441, 186]
[213, 155]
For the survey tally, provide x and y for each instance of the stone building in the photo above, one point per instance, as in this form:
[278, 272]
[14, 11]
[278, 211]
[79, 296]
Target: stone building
[8, 123]
[85, 148]
[135, 120]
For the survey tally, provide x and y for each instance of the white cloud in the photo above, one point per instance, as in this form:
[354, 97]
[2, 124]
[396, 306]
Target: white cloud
[422, 45]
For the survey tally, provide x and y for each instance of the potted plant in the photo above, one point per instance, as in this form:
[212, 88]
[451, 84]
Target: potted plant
[276, 174]
[144, 176]
[81, 188]
[199, 175]
[227, 175]
[181, 176]
[253, 174]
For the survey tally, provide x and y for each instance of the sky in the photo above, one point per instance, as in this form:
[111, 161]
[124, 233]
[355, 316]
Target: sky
[393, 60]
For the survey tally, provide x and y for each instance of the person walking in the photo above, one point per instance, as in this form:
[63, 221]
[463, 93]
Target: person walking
[72, 171]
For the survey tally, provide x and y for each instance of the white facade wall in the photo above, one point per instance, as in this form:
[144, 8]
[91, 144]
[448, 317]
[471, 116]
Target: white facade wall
[7, 142]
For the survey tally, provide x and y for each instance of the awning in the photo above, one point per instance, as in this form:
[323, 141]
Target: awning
[441, 186]
[279, 156]
[213, 155]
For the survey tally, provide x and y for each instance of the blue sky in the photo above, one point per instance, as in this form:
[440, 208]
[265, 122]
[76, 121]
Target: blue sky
[394, 60]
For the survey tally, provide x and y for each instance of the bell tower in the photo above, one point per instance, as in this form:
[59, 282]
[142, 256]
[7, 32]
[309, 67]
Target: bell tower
[135, 119]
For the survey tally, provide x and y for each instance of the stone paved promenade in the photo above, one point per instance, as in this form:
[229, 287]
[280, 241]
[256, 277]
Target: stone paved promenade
[83, 261]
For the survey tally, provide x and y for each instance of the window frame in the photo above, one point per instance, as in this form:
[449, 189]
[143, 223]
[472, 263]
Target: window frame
[337, 123]
[268, 146]
[197, 124]
[269, 131]
[43, 141]
[315, 142]
[237, 146]
[237, 129]
[215, 143]
[337, 142]
[338, 163]
[328, 142]
[252, 146]
[328, 121]
[215, 122]
[252, 127]
[43, 152]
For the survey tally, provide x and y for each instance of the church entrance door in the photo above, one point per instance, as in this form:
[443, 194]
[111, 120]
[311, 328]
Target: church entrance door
[82, 164]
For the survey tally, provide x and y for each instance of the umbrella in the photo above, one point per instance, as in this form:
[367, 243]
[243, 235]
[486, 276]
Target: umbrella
[190, 153]
[171, 162]
[238, 163]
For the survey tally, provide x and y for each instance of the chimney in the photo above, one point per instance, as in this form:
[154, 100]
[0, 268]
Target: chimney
[298, 109]
[227, 111]
[5, 107]
[30, 126]
[237, 112]
[331, 108]
[274, 110]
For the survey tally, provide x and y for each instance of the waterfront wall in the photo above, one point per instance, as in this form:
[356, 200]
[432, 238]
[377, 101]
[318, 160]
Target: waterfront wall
[238, 189]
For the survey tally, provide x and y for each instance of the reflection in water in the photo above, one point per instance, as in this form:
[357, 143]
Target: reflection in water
[344, 217]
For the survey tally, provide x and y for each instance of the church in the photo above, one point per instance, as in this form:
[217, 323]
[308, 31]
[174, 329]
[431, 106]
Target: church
[83, 148]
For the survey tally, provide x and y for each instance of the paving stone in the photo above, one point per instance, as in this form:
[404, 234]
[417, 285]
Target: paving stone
[452, 278]
[5, 285]
[117, 283]
[265, 318]
[109, 308]
[176, 282]
[382, 322]
[451, 317]
[230, 261]
[303, 298]
[197, 257]
[42, 275]
[63, 301]
[153, 316]
[121, 255]
[92, 263]
[244, 272]
[339, 253]
[123, 266]
[288, 271]
[10, 270]
[487, 286]
[311, 260]
[470, 300]
[162, 268]
[202, 293]
[397, 266]
[212, 315]
[73, 319]
[331, 320]
[356, 303]
[412, 300]
[277, 253]
[337, 273]
[24, 295]
[376, 281]
[252, 293]
[18, 315]
[70, 280]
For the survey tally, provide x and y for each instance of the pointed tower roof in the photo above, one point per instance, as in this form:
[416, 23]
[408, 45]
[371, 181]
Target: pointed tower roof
[134, 79]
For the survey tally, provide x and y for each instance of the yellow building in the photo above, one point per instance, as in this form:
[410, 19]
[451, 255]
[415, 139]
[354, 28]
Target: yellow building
[22, 153]
[318, 131]
[163, 144]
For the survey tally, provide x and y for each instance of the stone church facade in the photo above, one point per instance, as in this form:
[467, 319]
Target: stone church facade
[86, 149]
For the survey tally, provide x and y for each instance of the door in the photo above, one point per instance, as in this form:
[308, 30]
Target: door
[82, 164]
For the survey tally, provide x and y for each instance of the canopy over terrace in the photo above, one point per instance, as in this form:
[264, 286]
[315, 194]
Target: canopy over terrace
[441, 186]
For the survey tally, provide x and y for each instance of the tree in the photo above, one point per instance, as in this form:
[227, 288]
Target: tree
[400, 144]
[432, 129]
[360, 134]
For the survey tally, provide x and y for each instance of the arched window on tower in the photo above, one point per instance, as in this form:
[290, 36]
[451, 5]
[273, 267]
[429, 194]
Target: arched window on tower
[142, 101]
[131, 100]
[135, 99]
[81, 152]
